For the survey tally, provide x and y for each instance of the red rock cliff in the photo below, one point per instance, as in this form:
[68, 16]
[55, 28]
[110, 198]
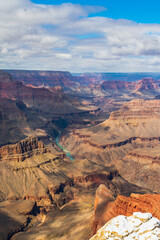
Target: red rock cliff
[106, 208]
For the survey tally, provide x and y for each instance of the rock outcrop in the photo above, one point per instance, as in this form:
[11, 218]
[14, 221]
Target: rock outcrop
[22, 150]
[137, 109]
[106, 207]
[146, 84]
[117, 85]
[138, 226]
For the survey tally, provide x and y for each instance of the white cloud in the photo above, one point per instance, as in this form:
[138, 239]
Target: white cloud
[63, 37]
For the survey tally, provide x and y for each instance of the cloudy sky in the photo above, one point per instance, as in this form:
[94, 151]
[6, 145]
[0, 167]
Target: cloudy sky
[80, 36]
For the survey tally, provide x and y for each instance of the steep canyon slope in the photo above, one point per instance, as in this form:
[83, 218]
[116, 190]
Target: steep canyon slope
[26, 111]
[53, 188]
[54, 197]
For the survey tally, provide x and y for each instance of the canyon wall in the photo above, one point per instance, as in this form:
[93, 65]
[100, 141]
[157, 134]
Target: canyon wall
[22, 150]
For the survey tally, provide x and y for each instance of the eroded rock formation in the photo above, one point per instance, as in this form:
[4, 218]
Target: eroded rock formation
[140, 109]
[129, 140]
[106, 207]
[22, 150]
[49, 78]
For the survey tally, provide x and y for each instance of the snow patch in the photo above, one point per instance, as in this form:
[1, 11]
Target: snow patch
[139, 226]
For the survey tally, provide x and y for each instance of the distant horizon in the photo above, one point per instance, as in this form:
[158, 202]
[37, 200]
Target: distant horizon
[40, 70]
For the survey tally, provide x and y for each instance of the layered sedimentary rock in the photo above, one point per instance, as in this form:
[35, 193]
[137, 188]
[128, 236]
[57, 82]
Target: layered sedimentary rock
[38, 98]
[117, 85]
[94, 84]
[140, 109]
[56, 180]
[145, 84]
[129, 139]
[136, 119]
[138, 226]
[57, 184]
[27, 111]
[30, 96]
[22, 150]
[106, 207]
[48, 78]
[62, 189]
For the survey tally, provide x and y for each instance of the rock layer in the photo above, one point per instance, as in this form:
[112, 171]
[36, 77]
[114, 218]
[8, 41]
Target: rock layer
[22, 150]
[116, 141]
[51, 78]
[137, 109]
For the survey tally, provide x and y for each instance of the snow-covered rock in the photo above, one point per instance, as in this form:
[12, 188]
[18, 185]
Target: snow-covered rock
[139, 226]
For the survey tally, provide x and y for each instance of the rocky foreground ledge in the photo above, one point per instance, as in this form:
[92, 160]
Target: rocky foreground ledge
[139, 226]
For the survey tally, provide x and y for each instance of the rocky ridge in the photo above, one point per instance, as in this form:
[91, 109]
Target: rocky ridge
[145, 84]
[141, 109]
[107, 207]
[60, 189]
[22, 150]
[47, 78]
[138, 226]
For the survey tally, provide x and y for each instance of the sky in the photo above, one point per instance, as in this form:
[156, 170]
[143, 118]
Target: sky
[80, 36]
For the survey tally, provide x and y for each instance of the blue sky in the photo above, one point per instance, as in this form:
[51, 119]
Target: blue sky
[144, 11]
[80, 36]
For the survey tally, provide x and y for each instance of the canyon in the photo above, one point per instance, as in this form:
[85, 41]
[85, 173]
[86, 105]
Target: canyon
[117, 141]
[109, 126]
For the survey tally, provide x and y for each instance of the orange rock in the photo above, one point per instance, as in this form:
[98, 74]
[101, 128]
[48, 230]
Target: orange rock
[137, 109]
[138, 203]
[106, 209]
[103, 202]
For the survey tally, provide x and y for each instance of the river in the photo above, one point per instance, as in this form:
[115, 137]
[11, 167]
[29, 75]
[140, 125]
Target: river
[64, 149]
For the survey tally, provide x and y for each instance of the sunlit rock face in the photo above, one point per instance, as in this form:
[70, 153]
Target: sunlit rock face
[22, 150]
[105, 208]
[139, 226]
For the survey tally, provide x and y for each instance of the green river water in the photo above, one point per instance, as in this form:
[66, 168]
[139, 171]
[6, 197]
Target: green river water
[64, 149]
